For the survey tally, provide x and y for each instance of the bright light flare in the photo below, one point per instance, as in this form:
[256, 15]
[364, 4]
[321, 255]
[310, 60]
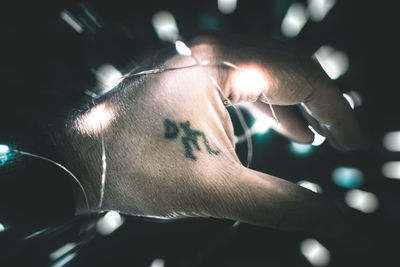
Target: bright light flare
[2, 227]
[318, 9]
[318, 139]
[335, 63]
[391, 141]
[347, 177]
[227, 6]
[262, 125]
[248, 82]
[108, 77]
[294, 20]
[315, 252]
[182, 48]
[310, 186]
[391, 169]
[165, 26]
[109, 223]
[361, 200]
[97, 119]
[157, 263]
[4, 149]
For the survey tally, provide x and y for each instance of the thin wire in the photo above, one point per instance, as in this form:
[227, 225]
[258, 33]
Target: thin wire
[226, 101]
[62, 167]
[242, 122]
[239, 114]
[272, 110]
[104, 169]
[103, 163]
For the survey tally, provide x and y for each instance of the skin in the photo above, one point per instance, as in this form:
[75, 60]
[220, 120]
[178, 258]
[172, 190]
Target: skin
[170, 145]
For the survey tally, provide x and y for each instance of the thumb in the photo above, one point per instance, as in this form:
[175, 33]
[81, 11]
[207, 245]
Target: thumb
[258, 198]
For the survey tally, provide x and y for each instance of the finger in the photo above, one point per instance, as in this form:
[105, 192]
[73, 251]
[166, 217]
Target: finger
[281, 77]
[335, 117]
[290, 125]
[257, 198]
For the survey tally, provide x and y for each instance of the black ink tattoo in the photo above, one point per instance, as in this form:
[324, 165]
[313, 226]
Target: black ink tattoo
[190, 138]
[171, 129]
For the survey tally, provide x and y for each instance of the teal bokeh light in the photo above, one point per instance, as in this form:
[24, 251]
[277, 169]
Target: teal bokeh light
[347, 177]
[300, 149]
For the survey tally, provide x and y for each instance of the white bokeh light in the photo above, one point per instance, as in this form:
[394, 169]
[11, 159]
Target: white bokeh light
[361, 200]
[335, 63]
[227, 6]
[315, 252]
[108, 77]
[318, 9]
[391, 141]
[391, 169]
[109, 222]
[165, 26]
[157, 263]
[294, 20]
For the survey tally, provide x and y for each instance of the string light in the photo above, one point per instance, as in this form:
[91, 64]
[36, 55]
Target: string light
[60, 166]
[165, 26]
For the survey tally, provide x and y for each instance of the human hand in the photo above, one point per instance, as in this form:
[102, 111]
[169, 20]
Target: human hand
[169, 142]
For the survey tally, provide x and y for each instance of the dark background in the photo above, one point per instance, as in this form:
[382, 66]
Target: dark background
[46, 65]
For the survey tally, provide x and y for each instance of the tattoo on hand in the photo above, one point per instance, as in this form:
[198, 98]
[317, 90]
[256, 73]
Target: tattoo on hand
[189, 139]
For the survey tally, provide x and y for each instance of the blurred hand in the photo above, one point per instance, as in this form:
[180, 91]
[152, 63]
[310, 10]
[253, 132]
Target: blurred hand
[170, 146]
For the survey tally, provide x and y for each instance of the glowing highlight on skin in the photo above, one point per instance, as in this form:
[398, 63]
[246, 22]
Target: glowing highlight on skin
[96, 119]
[249, 80]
